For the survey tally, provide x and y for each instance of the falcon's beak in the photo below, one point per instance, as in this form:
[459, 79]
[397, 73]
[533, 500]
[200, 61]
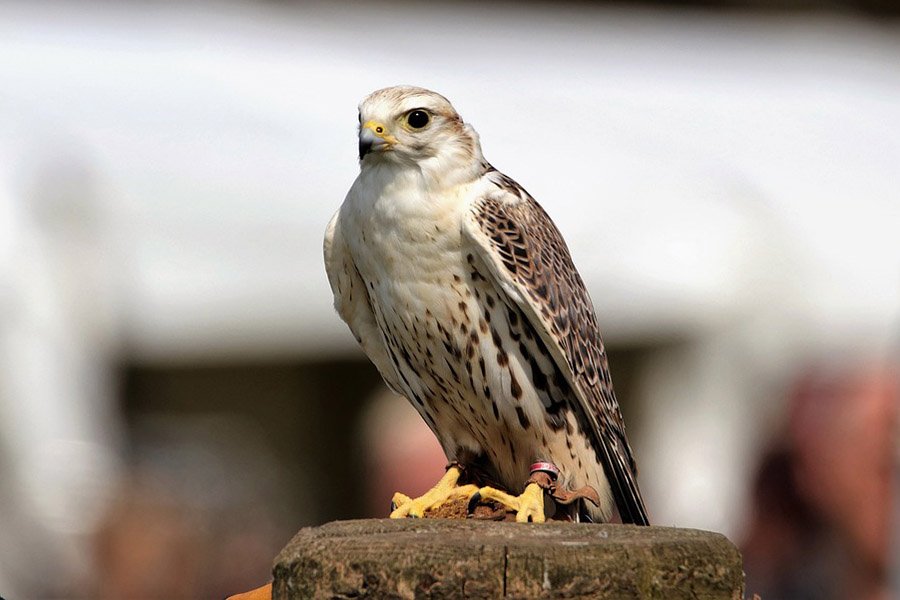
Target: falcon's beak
[373, 136]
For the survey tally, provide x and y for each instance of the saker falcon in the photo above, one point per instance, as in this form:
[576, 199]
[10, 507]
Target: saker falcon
[460, 289]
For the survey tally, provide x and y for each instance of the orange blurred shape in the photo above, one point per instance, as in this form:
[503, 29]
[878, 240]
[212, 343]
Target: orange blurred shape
[260, 593]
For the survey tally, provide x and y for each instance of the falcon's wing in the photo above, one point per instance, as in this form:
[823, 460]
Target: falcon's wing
[351, 300]
[531, 264]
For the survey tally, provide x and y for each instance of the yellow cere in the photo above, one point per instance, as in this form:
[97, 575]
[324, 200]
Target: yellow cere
[380, 130]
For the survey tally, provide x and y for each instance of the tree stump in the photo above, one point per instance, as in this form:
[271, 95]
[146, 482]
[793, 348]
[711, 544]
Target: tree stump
[446, 559]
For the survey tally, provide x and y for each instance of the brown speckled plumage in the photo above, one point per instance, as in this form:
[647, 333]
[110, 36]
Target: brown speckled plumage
[462, 292]
[534, 255]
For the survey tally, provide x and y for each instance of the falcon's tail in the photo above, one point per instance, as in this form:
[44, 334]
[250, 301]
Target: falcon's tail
[625, 490]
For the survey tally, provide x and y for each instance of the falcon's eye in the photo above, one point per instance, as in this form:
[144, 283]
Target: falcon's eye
[417, 119]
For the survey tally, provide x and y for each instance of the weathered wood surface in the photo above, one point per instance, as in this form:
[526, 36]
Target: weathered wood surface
[446, 559]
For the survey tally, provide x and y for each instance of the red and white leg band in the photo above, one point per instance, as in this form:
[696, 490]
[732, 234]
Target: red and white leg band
[545, 467]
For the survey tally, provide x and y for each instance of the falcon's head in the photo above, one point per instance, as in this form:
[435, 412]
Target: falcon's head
[414, 126]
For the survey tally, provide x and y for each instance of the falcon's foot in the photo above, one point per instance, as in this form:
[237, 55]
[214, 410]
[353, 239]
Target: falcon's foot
[529, 506]
[446, 489]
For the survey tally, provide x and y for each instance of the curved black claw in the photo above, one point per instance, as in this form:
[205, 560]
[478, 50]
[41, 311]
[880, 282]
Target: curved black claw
[394, 506]
[473, 502]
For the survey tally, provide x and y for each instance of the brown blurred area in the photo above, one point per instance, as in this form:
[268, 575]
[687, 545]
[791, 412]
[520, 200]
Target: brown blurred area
[822, 515]
[227, 462]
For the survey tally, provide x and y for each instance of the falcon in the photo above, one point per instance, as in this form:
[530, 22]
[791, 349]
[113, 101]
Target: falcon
[462, 292]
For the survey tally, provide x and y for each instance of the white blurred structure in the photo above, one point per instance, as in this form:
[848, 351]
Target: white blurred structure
[726, 183]
[60, 443]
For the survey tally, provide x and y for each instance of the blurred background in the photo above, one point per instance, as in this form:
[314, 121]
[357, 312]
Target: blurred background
[177, 396]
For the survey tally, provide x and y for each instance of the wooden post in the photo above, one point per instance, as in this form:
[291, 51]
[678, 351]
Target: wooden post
[447, 559]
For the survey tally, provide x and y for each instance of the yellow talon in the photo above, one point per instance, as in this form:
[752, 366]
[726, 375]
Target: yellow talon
[529, 506]
[399, 500]
[445, 489]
